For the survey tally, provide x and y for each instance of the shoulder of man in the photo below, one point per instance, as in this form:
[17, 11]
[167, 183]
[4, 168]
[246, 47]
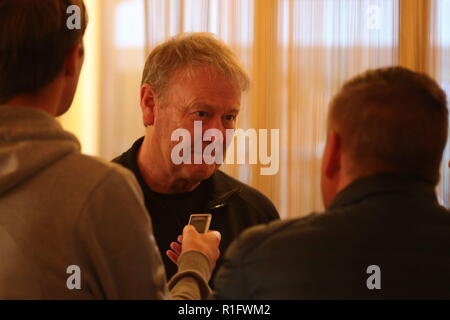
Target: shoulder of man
[251, 196]
[93, 171]
[128, 158]
[115, 235]
[115, 227]
[239, 260]
[121, 160]
[255, 237]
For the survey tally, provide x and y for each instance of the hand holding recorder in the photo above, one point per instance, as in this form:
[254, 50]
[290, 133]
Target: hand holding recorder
[197, 237]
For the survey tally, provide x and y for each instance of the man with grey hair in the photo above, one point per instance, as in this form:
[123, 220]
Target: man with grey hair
[191, 77]
[383, 234]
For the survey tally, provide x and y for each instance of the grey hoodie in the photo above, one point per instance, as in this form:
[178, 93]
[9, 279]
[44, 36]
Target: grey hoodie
[66, 217]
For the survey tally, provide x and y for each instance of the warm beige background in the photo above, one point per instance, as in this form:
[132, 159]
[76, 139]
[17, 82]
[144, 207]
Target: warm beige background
[298, 53]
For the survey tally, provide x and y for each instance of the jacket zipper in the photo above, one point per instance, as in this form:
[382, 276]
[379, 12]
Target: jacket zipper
[223, 202]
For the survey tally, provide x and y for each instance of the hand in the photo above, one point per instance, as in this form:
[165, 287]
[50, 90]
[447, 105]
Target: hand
[206, 243]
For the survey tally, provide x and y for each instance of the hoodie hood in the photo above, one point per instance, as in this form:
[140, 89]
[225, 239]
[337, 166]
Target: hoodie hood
[30, 140]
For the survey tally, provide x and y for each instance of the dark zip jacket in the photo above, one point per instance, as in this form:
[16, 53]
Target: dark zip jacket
[234, 206]
[384, 237]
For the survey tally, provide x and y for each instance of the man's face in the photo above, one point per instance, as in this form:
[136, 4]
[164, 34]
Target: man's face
[203, 96]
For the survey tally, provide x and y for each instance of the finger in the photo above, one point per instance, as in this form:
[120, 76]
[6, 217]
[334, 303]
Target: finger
[176, 247]
[180, 239]
[172, 256]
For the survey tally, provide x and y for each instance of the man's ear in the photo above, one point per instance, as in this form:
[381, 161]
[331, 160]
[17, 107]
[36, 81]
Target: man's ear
[74, 61]
[333, 155]
[148, 99]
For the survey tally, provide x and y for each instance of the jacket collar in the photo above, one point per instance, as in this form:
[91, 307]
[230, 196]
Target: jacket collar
[383, 184]
[220, 190]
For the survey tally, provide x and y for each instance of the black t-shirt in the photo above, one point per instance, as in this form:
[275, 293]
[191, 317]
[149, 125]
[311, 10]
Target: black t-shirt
[170, 213]
[180, 206]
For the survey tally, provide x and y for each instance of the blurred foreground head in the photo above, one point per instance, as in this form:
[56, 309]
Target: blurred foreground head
[36, 45]
[389, 120]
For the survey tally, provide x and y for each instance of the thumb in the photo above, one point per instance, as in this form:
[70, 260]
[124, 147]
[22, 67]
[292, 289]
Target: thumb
[188, 229]
[216, 234]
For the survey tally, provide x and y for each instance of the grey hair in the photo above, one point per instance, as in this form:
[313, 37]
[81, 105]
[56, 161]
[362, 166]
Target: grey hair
[192, 50]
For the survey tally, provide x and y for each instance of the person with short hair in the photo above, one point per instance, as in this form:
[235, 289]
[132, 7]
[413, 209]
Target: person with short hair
[383, 234]
[191, 78]
[71, 226]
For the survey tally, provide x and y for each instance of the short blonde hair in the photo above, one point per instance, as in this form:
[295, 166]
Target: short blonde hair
[192, 50]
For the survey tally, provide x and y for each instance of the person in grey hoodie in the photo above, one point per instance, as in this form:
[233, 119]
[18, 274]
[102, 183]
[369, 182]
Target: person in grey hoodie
[71, 226]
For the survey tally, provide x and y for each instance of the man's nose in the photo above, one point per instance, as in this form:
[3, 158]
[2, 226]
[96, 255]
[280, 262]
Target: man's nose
[216, 124]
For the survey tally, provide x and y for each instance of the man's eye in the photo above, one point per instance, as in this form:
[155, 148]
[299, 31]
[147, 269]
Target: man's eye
[230, 118]
[201, 114]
